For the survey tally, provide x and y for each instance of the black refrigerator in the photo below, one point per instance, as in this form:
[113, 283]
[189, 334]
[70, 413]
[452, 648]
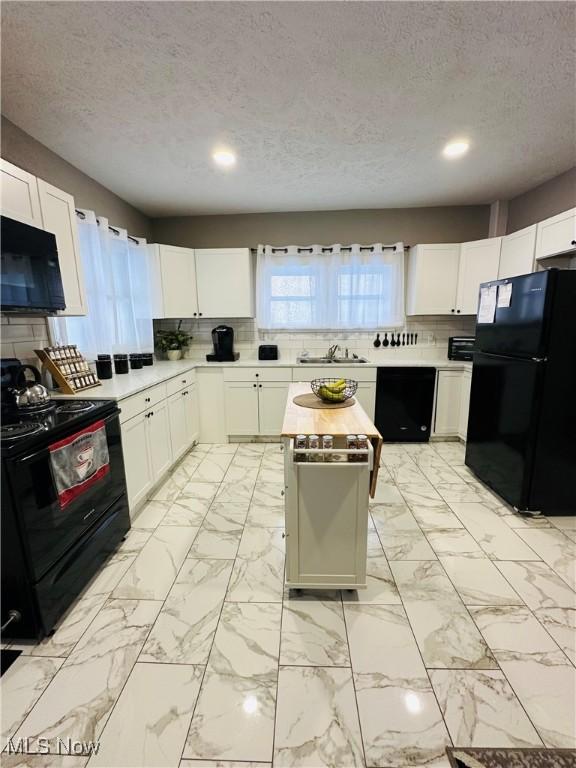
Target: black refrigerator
[522, 423]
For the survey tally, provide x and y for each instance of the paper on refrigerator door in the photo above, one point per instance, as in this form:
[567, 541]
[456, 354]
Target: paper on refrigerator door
[487, 308]
[505, 295]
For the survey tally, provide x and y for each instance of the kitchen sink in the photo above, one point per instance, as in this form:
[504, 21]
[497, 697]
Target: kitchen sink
[332, 360]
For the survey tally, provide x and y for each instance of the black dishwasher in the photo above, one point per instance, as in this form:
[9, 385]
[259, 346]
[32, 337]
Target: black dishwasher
[404, 403]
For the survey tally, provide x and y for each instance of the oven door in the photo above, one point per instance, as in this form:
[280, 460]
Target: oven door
[49, 529]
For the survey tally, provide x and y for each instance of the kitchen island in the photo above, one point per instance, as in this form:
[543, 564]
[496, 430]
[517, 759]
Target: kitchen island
[326, 495]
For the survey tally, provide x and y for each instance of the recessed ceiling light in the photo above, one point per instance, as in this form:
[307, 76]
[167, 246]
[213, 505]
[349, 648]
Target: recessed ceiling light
[224, 158]
[456, 148]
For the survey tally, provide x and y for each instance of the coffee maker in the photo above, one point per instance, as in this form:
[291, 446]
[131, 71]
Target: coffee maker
[223, 340]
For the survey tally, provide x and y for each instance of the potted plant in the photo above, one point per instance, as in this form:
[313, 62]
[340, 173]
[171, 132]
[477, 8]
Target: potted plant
[172, 342]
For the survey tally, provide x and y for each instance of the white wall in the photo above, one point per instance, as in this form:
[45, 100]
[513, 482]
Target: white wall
[21, 335]
[433, 333]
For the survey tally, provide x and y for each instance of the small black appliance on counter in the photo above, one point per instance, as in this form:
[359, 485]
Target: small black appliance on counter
[461, 347]
[268, 352]
[223, 340]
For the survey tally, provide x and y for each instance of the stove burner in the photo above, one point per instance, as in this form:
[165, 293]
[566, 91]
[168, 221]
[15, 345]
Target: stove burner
[28, 410]
[78, 406]
[17, 431]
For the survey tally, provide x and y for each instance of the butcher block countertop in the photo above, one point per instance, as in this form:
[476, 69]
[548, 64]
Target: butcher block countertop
[331, 421]
[324, 421]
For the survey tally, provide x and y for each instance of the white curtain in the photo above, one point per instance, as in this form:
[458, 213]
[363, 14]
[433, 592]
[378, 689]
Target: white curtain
[117, 282]
[336, 287]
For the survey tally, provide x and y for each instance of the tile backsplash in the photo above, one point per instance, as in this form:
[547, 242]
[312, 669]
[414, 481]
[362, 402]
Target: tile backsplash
[433, 334]
[21, 335]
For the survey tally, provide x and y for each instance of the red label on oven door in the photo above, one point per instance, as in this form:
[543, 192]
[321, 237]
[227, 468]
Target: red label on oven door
[79, 461]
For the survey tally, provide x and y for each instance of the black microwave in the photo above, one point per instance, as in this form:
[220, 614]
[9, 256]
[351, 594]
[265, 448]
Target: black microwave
[31, 279]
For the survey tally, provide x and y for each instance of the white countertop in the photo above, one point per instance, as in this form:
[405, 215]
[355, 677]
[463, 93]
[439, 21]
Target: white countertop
[124, 385]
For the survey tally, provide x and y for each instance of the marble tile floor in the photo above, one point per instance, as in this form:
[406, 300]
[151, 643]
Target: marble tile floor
[186, 649]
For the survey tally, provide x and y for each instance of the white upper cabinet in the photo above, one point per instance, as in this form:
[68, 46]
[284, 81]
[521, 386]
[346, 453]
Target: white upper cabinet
[20, 198]
[433, 279]
[225, 282]
[556, 235]
[444, 279]
[35, 202]
[517, 253]
[210, 282]
[178, 280]
[479, 262]
[59, 217]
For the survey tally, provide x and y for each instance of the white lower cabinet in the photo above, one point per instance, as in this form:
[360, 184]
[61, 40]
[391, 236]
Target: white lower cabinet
[161, 432]
[178, 430]
[272, 396]
[366, 396]
[191, 415]
[136, 459]
[447, 412]
[241, 408]
[464, 404]
[255, 400]
[159, 443]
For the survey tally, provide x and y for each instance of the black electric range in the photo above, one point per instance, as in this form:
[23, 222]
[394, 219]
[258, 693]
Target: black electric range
[64, 506]
[22, 428]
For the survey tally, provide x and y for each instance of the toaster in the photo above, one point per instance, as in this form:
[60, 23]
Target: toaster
[268, 352]
[461, 347]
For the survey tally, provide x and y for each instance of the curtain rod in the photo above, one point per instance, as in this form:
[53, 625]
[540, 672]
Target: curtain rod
[329, 249]
[82, 215]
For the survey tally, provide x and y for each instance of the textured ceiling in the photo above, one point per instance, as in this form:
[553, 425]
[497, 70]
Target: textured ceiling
[329, 105]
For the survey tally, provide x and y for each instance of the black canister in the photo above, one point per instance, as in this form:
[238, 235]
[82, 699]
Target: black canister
[104, 367]
[147, 358]
[135, 361]
[121, 363]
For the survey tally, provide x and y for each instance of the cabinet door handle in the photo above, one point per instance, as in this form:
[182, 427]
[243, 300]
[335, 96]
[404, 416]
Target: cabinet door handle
[254, 385]
[458, 311]
[200, 313]
[451, 310]
[260, 386]
[147, 400]
[573, 242]
[195, 313]
[257, 375]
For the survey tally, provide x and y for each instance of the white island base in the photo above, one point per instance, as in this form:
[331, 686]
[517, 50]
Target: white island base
[326, 502]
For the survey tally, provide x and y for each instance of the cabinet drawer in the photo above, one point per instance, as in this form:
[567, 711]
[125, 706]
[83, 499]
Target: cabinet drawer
[257, 374]
[132, 406]
[356, 372]
[179, 382]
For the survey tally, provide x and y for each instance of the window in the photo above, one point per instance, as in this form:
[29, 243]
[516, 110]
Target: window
[333, 288]
[117, 284]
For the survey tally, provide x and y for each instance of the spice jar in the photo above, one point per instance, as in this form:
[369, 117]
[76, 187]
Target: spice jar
[314, 444]
[362, 445]
[300, 442]
[351, 445]
[328, 445]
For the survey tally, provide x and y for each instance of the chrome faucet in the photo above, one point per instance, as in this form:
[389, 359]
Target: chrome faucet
[331, 354]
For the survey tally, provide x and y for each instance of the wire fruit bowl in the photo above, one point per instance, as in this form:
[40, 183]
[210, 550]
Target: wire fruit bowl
[334, 390]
